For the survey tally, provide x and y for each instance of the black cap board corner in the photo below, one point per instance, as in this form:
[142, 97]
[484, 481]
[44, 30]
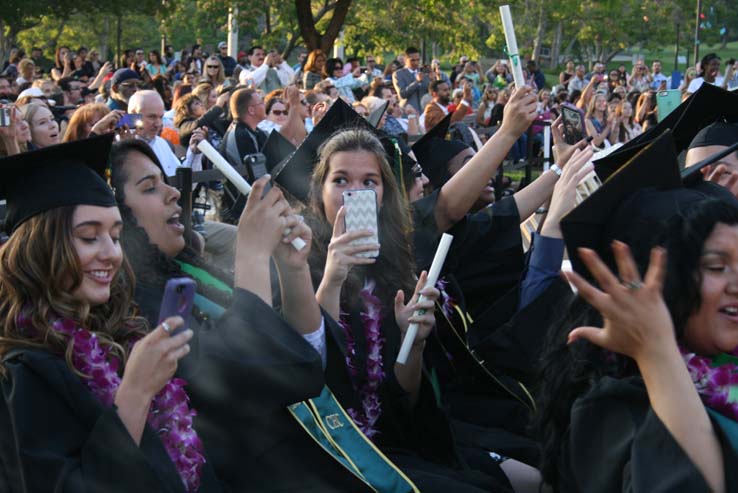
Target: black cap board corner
[376, 116]
[587, 224]
[276, 148]
[72, 173]
[707, 105]
[438, 131]
[294, 174]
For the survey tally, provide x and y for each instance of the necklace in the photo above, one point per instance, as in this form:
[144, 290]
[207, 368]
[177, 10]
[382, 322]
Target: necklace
[169, 414]
[371, 406]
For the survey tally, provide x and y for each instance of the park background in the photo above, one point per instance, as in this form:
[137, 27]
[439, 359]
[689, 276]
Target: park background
[616, 31]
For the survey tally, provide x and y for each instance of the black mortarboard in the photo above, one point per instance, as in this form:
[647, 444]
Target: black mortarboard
[717, 134]
[709, 104]
[590, 224]
[294, 174]
[376, 116]
[56, 176]
[434, 157]
[438, 131]
[276, 149]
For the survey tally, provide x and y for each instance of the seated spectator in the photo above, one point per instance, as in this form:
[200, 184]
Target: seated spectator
[123, 85]
[268, 72]
[91, 118]
[628, 128]
[156, 65]
[709, 72]
[343, 83]
[63, 63]
[312, 73]
[191, 114]
[437, 109]
[598, 123]
[26, 71]
[227, 62]
[276, 112]
[214, 71]
[43, 125]
[646, 111]
[484, 112]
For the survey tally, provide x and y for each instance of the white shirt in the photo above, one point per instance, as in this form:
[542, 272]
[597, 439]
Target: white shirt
[317, 340]
[267, 126]
[284, 72]
[697, 83]
[169, 160]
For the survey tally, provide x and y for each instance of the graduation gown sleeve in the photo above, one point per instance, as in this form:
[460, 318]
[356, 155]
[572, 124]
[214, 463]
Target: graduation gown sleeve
[616, 443]
[55, 436]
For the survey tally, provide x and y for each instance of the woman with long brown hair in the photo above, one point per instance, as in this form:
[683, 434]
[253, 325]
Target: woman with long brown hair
[91, 118]
[89, 397]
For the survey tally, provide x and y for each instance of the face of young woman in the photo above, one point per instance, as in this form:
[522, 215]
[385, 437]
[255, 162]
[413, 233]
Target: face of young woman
[713, 328]
[154, 204]
[627, 110]
[354, 170]
[95, 237]
[44, 129]
[197, 109]
[601, 103]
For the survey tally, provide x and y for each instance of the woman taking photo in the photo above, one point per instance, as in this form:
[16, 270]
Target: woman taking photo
[63, 64]
[653, 384]
[89, 393]
[484, 112]
[390, 402]
[92, 118]
[628, 128]
[313, 71]
[343, 83]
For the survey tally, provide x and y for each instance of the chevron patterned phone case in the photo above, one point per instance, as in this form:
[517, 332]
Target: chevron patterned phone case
[361, 213]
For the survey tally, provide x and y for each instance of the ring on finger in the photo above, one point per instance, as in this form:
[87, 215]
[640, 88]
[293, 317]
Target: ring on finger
[166, 327]
[633, 285]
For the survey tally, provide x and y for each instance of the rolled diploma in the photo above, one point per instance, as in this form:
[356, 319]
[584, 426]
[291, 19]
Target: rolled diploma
[512, 46]
[233, 176]
[435, 269]
[546, 148]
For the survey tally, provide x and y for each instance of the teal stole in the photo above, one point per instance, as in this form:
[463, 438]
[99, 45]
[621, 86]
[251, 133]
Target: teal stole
[729, 427]
[325, 420]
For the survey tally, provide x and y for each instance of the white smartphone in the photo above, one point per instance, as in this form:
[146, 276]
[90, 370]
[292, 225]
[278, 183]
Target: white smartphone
[361, 213]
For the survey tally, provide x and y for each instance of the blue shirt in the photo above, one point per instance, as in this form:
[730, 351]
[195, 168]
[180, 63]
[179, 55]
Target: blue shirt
[544, 265]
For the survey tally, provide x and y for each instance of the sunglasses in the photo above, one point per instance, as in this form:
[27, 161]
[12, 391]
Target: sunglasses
[280, 112]
[337, 68]
[212, 66]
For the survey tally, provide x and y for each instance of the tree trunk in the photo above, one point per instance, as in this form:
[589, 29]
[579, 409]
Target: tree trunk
[307, 23]
[555, 47]
[540, 31]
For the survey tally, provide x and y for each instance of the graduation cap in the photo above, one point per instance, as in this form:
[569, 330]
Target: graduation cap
[434, 156]
[438, 131]
[276, 149]
[294, 173]
[610, 210]
[56, 176]
[376, 116]
[708, 105]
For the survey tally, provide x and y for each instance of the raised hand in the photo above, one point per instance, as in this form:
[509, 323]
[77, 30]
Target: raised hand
[637, 322]
[107, 123]
[198, 135]
[405, 313]
[262, 221]
[562, 151]
[519, 112]
[342, 254]
[565, 191]
[285, 255]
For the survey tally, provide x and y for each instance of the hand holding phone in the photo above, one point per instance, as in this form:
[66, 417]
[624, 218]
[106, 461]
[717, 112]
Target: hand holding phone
[130, 120]
[361, 214]
[178, 299]
[573, 125]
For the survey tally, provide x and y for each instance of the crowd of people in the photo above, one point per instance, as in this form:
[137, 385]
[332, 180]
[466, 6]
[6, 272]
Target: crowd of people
[619, 375]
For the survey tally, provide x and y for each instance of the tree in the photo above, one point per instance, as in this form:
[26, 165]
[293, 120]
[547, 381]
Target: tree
[308, 25]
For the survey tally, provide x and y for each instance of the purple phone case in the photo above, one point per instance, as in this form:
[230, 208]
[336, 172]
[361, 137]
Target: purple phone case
[179, 296]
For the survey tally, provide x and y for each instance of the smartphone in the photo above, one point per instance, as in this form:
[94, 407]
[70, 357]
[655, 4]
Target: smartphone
[573, 125]
[256, 164]
[130, 120]
[6, 116]
[667, 101]
[361, 213]
[179, 296]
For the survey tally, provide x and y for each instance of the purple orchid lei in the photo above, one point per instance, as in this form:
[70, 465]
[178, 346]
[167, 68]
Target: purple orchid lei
[447, 302]
[714, 382]
[169, 415]
[371, 317]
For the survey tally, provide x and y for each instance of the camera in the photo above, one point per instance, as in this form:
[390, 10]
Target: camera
[5, 117]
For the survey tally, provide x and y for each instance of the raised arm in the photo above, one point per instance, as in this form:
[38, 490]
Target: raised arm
[459, 194]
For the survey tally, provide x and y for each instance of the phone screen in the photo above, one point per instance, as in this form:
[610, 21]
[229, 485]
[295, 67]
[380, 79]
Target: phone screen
[130, 120]
[573, 125]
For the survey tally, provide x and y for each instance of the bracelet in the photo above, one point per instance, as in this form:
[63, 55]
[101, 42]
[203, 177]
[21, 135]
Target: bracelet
[464, 102]
[555, 168]
[412, 117]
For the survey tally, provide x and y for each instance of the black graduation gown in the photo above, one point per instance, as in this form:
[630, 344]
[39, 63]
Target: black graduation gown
[243, 372]
[616, 443]
[486, 256]
[56, 436]
[418, 439]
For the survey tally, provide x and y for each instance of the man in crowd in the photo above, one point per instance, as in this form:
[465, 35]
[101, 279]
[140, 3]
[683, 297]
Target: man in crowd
[411, 83]
[535, 75]
[658, 79]
[229, 63]
[371, 68]
[43, 64]
[71, 89]
[123, 85]
[578, 82]
[438, 107]
[266, 72]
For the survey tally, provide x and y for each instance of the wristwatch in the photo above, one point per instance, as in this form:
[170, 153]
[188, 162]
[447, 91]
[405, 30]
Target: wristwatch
[555, 168]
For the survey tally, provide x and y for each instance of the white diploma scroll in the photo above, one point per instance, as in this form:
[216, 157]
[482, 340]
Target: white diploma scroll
[433, 273]
[512, 46]
[232, 175]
